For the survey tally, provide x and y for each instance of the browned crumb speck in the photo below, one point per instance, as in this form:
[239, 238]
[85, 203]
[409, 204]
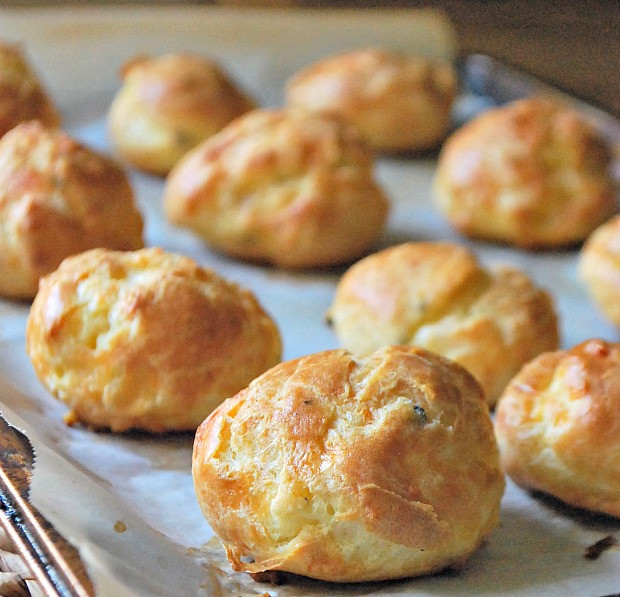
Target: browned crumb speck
[596, 549]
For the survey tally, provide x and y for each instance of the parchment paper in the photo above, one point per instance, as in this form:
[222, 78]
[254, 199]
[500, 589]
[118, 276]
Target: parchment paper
[127, 501]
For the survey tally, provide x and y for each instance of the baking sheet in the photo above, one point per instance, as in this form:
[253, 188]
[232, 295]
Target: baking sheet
[127, 501]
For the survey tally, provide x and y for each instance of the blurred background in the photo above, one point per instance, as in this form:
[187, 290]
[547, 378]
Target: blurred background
[574, 45]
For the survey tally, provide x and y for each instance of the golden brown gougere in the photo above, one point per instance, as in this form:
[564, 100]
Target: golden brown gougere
[398, 102]
[349, 469]
[145, 339]
[22, 96]
[169, 104]
[534, 174]
[558, 426]
[57, 198]
[492, 320]
[599, 268]
[284, 187]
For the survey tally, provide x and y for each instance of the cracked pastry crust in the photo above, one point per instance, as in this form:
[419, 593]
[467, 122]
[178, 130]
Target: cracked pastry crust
[533, 174]
[146, 339]
[351, 469]
[437, 295]
[398, 102]
[57, 198]
[22, 97]
[283, 187]
[599, 268]
[558, 426]
[168, 105]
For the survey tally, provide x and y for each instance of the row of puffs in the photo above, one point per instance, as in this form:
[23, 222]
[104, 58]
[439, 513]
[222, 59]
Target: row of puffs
[375, 462]
[292, 187]
[340, 465]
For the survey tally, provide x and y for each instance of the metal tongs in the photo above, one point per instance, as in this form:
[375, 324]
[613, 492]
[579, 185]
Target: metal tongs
[53, 561]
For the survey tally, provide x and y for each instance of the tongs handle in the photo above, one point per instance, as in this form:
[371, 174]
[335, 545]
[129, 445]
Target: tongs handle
[53, 561]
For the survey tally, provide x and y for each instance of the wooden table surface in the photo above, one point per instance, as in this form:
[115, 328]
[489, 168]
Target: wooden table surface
[574, 45]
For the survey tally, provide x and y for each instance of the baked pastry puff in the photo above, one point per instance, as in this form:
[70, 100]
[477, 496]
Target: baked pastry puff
[22, 97]
[168, 105]
[599, 268]
[57, 198]
[398, 102]
[351, 469]
[533, 174]
[436, 295]
[145, 339]
[558, 426]
[282, 187]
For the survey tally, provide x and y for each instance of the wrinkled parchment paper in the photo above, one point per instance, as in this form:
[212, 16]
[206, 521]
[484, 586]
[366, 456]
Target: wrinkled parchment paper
[127, 501]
